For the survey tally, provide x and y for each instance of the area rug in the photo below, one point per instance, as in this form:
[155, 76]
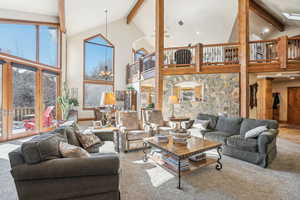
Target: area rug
[238, 180]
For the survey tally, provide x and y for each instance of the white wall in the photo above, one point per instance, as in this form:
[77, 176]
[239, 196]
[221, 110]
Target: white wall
[121, 36]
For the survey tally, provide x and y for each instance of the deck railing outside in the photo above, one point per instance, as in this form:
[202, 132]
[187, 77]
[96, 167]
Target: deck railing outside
[294, 49]
[21, 113]
[220, 54]
[263, 51]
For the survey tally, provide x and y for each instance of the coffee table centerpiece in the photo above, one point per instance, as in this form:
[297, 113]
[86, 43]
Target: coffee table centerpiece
[176, 157]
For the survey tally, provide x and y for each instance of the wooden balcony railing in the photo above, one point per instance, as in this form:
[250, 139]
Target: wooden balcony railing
[180, 57]
[281, 51]
[294, 49]
[220, 54]
[264, 51]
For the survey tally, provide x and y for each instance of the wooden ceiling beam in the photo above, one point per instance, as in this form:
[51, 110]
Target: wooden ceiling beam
[134, 11]
[263, 13]
[62, 16]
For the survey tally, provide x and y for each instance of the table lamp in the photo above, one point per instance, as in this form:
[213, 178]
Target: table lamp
[173, 100]
[108, 100]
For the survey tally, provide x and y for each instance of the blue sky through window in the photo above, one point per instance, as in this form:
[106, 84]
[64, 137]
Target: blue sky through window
[20, 40]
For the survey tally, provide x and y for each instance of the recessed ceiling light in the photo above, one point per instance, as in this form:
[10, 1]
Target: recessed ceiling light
[292, 78]
[292, 16]
[198, 33]
[279, 74]
[266, 30]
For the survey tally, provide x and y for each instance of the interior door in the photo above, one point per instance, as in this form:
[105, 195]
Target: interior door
[294, 105]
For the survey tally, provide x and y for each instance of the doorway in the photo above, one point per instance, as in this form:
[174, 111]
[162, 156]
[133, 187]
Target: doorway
[294, 105]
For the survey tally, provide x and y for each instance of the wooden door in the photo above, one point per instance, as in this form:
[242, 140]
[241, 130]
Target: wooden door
[294, 105]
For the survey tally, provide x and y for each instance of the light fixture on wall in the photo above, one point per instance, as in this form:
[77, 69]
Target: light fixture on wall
[106, 74]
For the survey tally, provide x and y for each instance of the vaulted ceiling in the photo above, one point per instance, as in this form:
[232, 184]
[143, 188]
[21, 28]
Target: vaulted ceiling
[206, 21]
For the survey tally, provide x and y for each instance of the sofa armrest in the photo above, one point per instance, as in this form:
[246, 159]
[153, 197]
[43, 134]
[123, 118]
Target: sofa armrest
[266, 138]
[100, 165]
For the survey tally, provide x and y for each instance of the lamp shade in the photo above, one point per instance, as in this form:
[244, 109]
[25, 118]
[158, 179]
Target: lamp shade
[108, 98]
[173, 100]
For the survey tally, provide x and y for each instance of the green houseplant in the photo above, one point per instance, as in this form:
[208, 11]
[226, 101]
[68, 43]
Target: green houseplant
[66, 102]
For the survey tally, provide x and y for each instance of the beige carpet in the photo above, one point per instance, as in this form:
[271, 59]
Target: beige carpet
[237, 181]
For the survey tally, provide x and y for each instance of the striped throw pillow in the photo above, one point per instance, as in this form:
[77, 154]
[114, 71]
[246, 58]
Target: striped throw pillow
[255, 132]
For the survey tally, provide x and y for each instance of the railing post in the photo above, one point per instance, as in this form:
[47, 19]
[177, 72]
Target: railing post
[199, 56]
[127, 74]
[140, 68]
[283, 51]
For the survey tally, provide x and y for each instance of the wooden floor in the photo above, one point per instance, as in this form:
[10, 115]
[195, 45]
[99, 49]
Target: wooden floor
[290, 133]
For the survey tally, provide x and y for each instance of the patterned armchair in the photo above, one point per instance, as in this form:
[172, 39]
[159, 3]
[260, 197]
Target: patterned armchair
[132, 133]
[154, 120]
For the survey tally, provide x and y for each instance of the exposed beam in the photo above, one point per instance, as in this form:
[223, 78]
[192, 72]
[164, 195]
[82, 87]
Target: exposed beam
[244, 56]
[61, 13]
[134, 11]
[263, 13]
[159, 51]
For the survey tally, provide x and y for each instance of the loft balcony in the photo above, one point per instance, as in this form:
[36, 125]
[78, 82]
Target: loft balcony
[264, 55]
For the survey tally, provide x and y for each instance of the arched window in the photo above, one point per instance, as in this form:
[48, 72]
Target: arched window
[98, 70]
[139, 54]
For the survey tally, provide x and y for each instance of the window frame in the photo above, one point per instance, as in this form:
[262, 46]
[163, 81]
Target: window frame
[97, 82]
[136, 52]
[37, 43]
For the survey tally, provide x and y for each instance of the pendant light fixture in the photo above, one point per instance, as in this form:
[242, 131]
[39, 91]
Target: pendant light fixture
[106, 74]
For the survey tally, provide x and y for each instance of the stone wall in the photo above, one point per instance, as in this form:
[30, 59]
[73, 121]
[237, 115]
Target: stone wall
[220, 95]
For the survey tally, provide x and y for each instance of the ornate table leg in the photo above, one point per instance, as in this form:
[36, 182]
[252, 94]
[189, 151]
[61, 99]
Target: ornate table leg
[219, 164]
[179, 175]
[145, 158]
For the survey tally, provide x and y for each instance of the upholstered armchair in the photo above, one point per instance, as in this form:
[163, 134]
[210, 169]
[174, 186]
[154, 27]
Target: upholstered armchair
[154, 120]
[132, 132]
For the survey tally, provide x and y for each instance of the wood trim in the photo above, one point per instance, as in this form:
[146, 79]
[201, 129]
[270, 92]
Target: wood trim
[134, 11]
[87, 119]
[17, 21]
[243, 17]
[5, 100]
[61, 13]
[99, 82]
[99, 35]
[264, 14]
[222, 44]
[159, 51]
[283, 51]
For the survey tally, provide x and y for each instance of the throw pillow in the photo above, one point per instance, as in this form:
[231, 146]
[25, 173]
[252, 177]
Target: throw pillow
[71, 151]
[255, 132]
[88, 139]
[201, 124]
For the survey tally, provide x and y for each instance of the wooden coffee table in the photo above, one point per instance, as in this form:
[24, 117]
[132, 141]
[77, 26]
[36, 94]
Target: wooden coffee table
[194, 146]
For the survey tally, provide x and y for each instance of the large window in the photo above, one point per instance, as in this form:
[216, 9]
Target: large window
[38, 43]
[98, 70]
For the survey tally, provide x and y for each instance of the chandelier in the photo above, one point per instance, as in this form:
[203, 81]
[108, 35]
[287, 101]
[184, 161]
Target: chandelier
[105, 73]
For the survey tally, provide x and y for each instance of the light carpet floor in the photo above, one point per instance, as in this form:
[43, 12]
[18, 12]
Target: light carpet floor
[238, 180]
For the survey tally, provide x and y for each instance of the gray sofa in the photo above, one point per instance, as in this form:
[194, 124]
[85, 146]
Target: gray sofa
[231, 131]
[39, 171]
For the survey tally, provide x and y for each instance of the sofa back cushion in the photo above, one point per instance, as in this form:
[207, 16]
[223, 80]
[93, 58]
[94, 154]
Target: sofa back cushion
[130, 120]
[41, 148]
[155, 117]
[249, 124]
[70, 129]
[229, 124]
[16, 157]
[212, 120]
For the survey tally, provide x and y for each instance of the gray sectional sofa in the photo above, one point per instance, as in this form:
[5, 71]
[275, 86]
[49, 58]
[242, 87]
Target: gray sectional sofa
[40, 172]
[231, 133]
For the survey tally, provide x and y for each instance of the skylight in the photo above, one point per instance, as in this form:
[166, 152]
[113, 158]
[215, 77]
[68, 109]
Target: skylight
[292, 16]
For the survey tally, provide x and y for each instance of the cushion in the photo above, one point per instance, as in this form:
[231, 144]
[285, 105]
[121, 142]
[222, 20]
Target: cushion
[156, 117]
[95, 148]
[212, 120]
[243, 144]
[129, 120]
[201, 124]
[229, 124]
[88, 139]
[253, 133]
[136, 135]
[41, 148]
[71, 151]
[218, 136]
[249, 124]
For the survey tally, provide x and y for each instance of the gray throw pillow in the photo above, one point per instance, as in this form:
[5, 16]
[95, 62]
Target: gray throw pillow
[88, 139]
[253, 133]
[71, 151]
[41, 148]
